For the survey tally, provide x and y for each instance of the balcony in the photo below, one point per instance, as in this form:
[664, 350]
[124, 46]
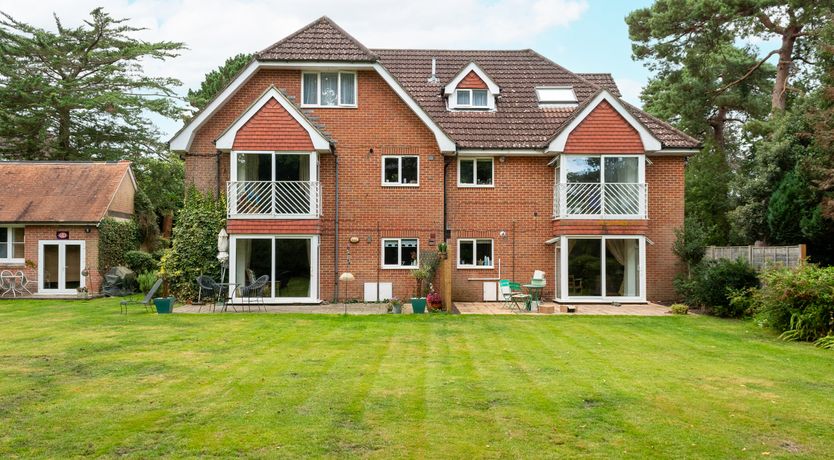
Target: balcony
[600, 201]
[274, 200]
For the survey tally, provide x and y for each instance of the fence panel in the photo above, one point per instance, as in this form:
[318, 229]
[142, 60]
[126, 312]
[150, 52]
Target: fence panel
[759, 256]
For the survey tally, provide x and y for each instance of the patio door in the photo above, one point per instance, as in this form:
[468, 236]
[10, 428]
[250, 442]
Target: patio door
[606, 268]
[60, 267]
[290, 262]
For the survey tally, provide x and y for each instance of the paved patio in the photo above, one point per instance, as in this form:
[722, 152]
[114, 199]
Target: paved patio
[329, 308]
[495, 308]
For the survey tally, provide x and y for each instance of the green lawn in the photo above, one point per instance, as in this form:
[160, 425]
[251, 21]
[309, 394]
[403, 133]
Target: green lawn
[78, 379]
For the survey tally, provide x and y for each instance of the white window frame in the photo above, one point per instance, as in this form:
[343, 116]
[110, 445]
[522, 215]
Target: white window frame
[573, 102]
[474, 265]
[475, 172]
[399, 265]
[315, 248]
[62, 265]
[471, 104]
[338, 89]
[9, 229]
[564, 275]
[399, 171]
[641, 179]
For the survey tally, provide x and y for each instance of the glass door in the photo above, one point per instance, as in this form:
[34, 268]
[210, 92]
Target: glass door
[290, 263]
[61, 266]
[603, 268]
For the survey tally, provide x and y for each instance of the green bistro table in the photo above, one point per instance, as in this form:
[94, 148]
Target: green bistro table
[535, 291]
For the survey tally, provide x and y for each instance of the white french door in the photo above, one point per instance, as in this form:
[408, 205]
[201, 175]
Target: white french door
[60, 266]
[291, 262]
[602, 268]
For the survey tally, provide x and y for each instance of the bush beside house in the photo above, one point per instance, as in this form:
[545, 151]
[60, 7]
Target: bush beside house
[712, 283]
[116, 239]
[194, 247]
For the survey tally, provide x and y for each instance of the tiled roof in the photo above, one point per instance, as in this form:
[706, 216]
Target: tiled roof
[518, 122]
[603, 80]
[58, 191]
[321, 40]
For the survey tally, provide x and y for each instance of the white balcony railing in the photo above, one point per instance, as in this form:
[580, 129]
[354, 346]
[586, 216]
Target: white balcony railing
[281, 199]
[600, 201]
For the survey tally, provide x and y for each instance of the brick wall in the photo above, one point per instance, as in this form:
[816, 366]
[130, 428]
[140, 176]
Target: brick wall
[604, 131]
[381, 123]
[34, 234]
[472, 81]
[666, 202]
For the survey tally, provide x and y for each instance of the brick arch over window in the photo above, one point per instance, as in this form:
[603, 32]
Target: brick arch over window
[272, 128]
[604, 131]
[472, 81]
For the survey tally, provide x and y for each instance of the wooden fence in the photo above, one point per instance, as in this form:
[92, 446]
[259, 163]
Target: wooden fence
[759, 256]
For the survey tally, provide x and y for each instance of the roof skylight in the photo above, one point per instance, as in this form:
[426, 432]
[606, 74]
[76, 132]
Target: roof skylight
[556, 96]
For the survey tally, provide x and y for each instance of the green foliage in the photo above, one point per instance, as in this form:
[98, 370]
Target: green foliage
[690, 243]
[141, 262]
[162, 180]
[116, 239]
[80, 93]
[790, 209]
[707, 197]
[194, 248]
[797, 302]
[712, 282]
[826, 342]
[146, 281]
[217, 79]
[679, 309]
[424, 275]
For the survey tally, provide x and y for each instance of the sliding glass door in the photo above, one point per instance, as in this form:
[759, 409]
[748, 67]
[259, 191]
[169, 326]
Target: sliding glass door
[603, 268]
[290, 262]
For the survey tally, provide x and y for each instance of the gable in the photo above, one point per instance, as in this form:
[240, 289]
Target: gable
[472, 81]
[321, 40]
[272, 128]
[604, 130]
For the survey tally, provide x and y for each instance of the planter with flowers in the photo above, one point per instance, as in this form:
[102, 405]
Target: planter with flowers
[423, 276]
[434, 301]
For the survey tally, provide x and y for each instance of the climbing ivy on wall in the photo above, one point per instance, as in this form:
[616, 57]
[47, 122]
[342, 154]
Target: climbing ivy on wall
[116, 238]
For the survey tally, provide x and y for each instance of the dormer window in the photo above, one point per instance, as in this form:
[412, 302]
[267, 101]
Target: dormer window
[556, 96]
[471, 89]
[475, 98]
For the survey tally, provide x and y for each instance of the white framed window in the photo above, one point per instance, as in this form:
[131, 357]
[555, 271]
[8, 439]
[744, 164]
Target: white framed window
[12, 245]
[475, 253]
[401, 170]
[328, 89]
[608, 186]
[471, 98]
[476, 172]
[556, 96]
[400, 253]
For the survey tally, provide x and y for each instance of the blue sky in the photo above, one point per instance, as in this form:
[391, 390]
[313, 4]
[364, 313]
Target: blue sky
[581, 35]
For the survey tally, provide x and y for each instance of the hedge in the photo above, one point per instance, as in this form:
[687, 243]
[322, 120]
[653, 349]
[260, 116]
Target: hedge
[116, 238]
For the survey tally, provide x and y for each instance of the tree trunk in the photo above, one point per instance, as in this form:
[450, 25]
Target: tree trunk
[64, 149]
[783, 69]
[718, 123]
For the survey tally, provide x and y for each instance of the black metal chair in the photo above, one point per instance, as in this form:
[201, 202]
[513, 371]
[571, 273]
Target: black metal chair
[146, 302]
[255, 291]
[209, 289]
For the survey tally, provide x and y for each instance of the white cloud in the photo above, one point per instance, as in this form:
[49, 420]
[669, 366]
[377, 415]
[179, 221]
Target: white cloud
[214, 30]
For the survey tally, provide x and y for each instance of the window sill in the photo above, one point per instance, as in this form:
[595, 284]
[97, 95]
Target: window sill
[398, 267]
[476, 267]
[14, 262]
[400, 185]
[475, 186]
[310, 106]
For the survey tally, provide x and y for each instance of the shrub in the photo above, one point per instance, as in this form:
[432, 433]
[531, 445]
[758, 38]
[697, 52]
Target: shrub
[194, 246]
[146, 281]
[713, 281]
[141, 261]
[798, 302]
[679, 309]
[116, 239]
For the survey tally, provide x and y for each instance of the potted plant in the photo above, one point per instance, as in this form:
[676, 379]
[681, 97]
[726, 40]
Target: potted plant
[164, 305]
[396, 306]
[442, 247]
[83, 292]
[423, 276]
[434, 300]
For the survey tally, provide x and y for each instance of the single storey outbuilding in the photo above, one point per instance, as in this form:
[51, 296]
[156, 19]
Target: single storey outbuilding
[49, 218]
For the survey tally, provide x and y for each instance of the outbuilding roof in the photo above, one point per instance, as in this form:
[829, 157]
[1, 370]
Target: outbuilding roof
[60, 192]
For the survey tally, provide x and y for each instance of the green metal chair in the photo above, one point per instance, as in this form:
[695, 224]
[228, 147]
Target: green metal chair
[146, 302]
[512, 295]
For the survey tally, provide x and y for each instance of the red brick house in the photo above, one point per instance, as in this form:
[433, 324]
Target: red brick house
[49, 217]
[337, 158]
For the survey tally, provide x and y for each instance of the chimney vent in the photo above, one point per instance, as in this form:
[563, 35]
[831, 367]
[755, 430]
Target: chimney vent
[433, 78]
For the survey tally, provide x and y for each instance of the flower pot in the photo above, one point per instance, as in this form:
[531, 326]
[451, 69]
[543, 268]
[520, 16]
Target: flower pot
[164, 304]
[418, 305]
[396, 309]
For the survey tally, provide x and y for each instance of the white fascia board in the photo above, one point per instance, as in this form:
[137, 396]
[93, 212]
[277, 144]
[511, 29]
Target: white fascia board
[501, 153]
[472, 67]
[650, 142]
[444, 142]
[182, 140]
[676, 152]
[227, 139]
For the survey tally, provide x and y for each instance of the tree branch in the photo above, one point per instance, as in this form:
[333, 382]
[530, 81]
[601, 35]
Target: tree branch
[746, 75]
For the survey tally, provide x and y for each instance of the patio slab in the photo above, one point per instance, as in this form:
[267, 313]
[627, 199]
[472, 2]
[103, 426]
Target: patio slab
[495, 308]
[330, 308]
